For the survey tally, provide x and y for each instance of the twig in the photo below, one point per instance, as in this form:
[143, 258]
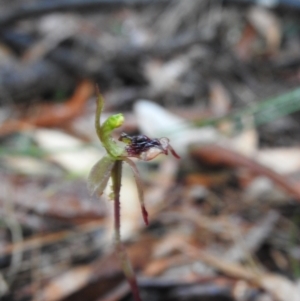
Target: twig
[50, 238]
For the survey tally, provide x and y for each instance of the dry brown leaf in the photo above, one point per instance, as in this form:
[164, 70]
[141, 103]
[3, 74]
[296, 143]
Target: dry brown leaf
[105, 271]
[65, 200]
[164, 76]
[279, 287]
[217, 155]
[267, 24]
[52, 115]
[65, 284]
[244, 46]
[282, 289]
[72, 154]
[219, 101]
[247, 243]
[283, 160]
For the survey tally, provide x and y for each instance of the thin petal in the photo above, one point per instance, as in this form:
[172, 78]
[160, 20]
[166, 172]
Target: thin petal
[139, 186]
[173, 152]
[165, 143]
[99, 175]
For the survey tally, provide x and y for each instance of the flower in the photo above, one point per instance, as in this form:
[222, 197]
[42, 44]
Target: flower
[138, 146]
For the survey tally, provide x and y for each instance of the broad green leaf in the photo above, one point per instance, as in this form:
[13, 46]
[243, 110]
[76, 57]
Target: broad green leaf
[99, 175]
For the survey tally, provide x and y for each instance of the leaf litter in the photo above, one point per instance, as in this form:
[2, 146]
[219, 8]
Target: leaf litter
[224, 219]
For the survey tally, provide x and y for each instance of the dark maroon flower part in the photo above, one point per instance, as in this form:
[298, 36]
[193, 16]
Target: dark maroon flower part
[138, 144]
[145, 148]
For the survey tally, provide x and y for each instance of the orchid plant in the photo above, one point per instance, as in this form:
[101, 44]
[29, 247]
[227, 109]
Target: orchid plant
[110, 166]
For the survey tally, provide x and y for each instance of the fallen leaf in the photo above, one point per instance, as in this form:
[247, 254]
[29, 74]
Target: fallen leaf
[70, 153]
[267, 24]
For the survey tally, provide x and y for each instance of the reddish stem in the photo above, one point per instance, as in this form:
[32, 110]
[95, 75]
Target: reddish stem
[126, 266]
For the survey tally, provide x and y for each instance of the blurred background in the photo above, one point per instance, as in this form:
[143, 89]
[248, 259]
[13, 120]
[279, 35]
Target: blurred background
[220, 79]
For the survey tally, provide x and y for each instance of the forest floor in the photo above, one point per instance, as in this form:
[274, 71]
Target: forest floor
[220, 79]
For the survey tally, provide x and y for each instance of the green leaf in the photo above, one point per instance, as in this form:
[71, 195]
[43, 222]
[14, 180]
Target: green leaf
[99, 175]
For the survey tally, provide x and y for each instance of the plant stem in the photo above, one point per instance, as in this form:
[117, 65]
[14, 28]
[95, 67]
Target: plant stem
[125, 263]
[100, 104]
